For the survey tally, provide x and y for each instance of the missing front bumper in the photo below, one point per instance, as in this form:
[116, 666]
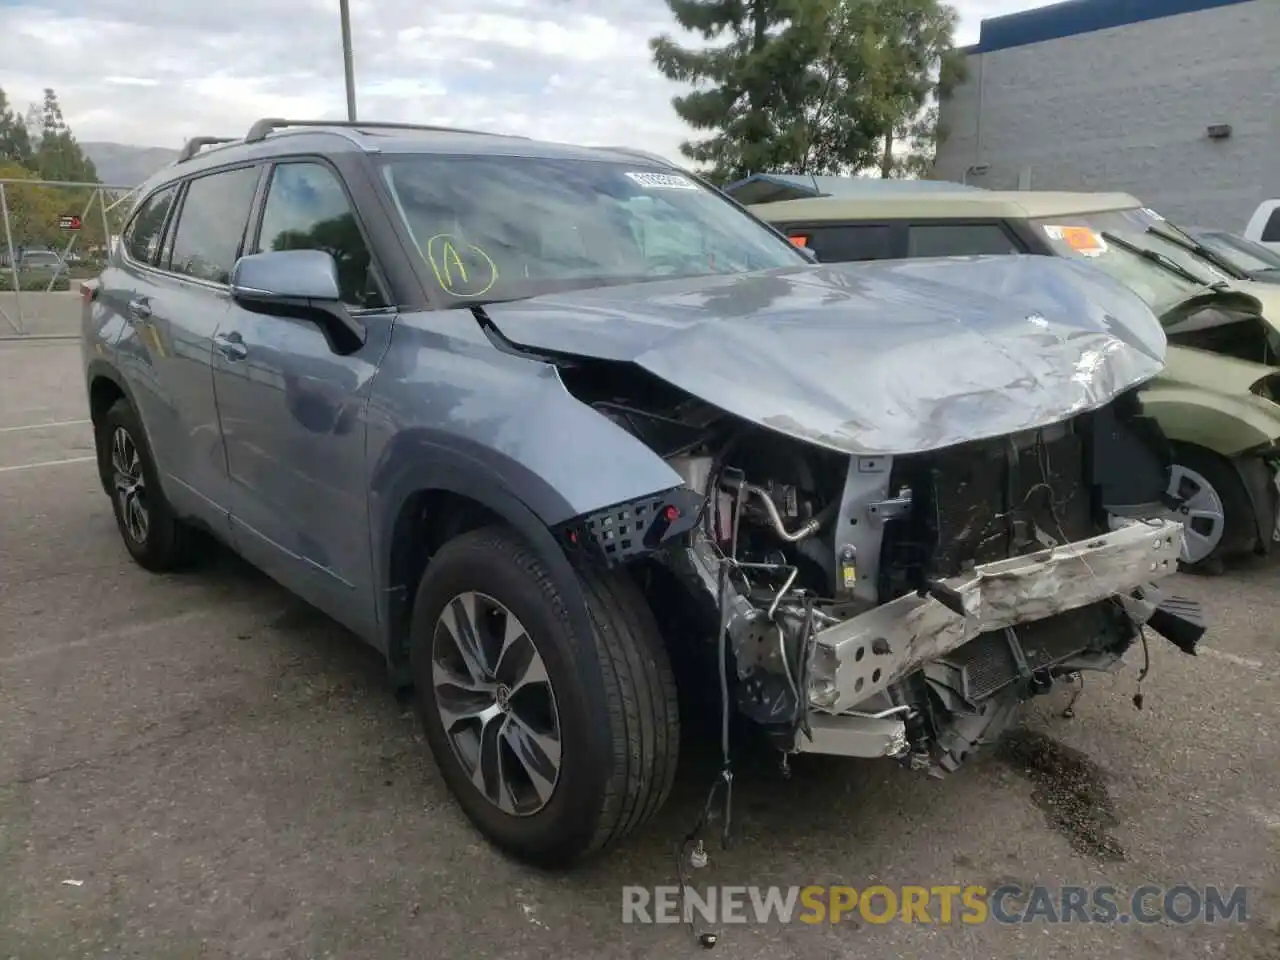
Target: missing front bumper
[859, 658]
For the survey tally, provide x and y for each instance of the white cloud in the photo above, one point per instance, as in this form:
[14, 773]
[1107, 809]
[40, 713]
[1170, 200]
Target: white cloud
[155, 74]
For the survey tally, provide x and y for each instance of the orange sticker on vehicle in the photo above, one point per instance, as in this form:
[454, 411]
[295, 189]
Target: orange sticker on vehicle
[1082, 240]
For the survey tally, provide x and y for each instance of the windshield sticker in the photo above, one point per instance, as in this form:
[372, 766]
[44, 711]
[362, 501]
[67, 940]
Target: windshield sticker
[1082, 240]
[1152, 214]
[462, 269]
[663, 181]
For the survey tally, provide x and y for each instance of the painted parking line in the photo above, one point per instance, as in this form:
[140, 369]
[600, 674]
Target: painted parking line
[40, 426]
[1239, 661]
[46, 463]
[214, 610]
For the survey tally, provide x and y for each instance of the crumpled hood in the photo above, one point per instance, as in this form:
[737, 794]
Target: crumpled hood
[890, 357]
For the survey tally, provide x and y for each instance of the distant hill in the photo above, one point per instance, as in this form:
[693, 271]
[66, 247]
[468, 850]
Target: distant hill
[122, 165]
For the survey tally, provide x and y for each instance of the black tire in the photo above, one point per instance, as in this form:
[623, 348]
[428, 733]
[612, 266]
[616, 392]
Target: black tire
[1239, 527]
[168, 543]
[615, 696]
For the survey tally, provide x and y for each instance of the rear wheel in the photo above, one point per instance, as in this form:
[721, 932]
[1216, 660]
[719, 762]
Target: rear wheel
[1216, 514]
[152, 534]
[555, 745]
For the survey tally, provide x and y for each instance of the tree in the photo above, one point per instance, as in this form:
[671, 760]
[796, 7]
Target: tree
[916, 64]
[58, 156]
[749, 84]
[811, 86]
[15, 143]
[33, 210]
[844, 110]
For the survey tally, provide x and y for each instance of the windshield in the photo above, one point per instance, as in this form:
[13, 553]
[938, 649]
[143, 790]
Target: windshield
[496, 228]
[1245, 254]
[1161, 285]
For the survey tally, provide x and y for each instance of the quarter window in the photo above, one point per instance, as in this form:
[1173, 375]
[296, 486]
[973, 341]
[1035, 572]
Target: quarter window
[142, 239]
[211, 224]
[848, 242]
[307, 209]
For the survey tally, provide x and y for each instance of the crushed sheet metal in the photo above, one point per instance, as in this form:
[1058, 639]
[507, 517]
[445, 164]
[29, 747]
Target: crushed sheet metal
[889, 357]
[862, 656]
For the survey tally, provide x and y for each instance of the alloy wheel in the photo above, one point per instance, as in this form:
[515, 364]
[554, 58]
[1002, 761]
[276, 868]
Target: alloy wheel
[496, 703]
[130, 485]
[1202, 514]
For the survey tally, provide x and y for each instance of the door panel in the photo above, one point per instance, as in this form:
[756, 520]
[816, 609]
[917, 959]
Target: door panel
[292, 410]
[166, 355]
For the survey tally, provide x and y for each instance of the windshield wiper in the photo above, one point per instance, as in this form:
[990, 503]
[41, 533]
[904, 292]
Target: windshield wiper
[1166, 261]
[1192, 245]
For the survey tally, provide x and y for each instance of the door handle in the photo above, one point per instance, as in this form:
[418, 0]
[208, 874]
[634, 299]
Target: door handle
[139, 309]
[231, 346]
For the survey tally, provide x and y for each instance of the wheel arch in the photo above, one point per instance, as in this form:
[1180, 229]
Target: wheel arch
[105, 386]
[1224, 424]
[422, 499]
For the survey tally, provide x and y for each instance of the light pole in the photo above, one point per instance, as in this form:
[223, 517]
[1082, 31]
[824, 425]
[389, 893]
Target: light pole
[344, 10]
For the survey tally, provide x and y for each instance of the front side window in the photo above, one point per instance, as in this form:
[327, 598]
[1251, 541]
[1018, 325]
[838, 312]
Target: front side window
[494, 228]
[211, 224]
[959, 240]
[307, 209]
[142, 238]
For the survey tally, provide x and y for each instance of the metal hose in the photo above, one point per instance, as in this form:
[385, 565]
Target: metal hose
[805, 531]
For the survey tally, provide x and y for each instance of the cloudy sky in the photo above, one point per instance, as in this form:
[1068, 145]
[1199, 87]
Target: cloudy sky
[155, 73]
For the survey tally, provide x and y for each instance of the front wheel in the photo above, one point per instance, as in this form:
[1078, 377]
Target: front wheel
[1216, 514]
[555, 745]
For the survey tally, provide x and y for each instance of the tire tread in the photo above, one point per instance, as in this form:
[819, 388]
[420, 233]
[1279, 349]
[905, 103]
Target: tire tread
[639, 685]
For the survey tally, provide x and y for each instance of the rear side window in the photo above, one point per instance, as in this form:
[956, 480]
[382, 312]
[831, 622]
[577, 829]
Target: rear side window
[211, 224]
[307, 209]
[840, 244]
[958, 240]
[142, 238]
[1271, 232]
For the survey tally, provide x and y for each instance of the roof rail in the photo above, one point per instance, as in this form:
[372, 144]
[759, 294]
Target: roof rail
[195, 144]
[266, 125]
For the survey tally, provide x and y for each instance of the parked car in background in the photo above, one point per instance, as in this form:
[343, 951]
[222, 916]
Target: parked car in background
[1219, 398]
[538, 421]
[1253, 260]
[1264, 226]
[43, 261]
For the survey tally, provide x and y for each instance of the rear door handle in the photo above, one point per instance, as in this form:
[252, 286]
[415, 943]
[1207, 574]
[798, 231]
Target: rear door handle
[231, 345]
[139, 309]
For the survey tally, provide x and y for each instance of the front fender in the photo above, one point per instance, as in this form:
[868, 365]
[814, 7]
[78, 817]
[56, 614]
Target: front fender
[1227, 424]
[520, 445]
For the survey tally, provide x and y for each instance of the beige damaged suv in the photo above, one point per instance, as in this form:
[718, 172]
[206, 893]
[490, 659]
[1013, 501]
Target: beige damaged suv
[1218, 398]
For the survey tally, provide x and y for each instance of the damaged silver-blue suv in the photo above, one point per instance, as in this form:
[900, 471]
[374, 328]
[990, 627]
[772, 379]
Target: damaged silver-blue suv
[553, 426]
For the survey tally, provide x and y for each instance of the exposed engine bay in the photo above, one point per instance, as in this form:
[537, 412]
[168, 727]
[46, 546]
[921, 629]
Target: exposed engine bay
[898, 606]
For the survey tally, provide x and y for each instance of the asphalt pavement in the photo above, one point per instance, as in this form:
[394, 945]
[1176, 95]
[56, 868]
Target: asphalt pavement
[200, 766]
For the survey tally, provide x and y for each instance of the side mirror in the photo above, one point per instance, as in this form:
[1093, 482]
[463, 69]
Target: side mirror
[298, 283]
[285, 277]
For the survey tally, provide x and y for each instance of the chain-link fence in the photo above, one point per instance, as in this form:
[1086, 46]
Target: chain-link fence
[55, 234]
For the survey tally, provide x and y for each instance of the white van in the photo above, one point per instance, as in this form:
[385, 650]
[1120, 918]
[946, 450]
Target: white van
[1264, 225]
